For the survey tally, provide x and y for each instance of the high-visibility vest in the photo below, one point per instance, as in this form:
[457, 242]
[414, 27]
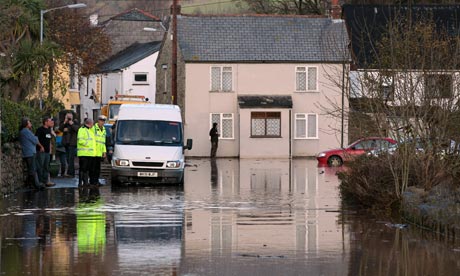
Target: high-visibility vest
[86, 142]
[100, 140]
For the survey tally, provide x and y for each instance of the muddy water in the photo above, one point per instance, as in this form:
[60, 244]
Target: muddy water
[231, 217]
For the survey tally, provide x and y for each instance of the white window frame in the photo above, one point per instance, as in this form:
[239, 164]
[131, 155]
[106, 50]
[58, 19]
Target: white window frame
[306, 79]
[219, 124]
[305, 118]
[221, 68]
[146, 82]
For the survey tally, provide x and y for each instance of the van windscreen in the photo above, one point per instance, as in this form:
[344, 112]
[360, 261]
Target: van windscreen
[145, 132]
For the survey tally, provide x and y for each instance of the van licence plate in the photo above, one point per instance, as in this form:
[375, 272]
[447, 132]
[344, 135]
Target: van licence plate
[147, 174]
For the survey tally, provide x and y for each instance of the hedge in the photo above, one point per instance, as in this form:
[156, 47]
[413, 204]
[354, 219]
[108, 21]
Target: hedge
[12, 113]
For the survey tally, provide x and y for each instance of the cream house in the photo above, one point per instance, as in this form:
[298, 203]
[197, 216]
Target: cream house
[272, 83]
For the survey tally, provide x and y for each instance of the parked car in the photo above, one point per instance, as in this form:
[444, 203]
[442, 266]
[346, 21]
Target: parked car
[419, 145]
[336, 157]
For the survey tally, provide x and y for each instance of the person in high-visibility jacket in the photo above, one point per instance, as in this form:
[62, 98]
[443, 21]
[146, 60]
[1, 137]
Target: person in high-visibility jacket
[86, 151]
[101, 149]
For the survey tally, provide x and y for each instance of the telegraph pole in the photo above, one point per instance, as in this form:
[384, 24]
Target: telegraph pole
[174, 53]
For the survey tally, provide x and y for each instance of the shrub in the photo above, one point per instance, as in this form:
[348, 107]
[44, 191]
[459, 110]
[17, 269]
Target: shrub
[369, 182]
[12, 113]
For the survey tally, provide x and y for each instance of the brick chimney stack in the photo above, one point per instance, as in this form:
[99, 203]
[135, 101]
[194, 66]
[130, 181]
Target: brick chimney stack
[336, 9]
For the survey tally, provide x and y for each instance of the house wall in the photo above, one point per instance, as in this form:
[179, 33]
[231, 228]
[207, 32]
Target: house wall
[111, 85]
[120, 82]
[146, 65]
[123, 33]
[87, 104]
[262, 79]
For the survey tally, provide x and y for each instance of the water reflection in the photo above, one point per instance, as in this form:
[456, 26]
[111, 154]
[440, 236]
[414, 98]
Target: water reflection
[91, 236]
[231, 217]
[263, 213]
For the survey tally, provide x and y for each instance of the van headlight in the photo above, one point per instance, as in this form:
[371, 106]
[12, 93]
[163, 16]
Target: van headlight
[121, 162]
[173, 164]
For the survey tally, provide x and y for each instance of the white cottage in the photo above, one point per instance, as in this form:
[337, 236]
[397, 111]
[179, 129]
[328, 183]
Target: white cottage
[130, 72]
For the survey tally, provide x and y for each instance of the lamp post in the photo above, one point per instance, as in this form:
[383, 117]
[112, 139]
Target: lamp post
[42, 12]
[174, 54]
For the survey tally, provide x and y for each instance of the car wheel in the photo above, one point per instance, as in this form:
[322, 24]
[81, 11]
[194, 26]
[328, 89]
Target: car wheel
[335, 161]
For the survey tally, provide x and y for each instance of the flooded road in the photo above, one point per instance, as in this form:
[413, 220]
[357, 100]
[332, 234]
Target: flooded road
[231, 217]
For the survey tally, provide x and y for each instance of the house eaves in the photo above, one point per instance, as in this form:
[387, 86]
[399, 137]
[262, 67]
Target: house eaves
[129, 56]
[264, 101]
[262, 39]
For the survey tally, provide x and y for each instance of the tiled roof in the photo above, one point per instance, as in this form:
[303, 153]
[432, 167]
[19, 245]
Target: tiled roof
[135, 15]
[264, 101]
[129, 56]
[262, 39]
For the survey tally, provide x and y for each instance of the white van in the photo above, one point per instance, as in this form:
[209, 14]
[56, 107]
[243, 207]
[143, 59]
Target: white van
[148, 144]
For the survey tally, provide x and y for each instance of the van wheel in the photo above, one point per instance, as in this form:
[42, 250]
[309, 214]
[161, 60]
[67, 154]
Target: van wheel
[181, 181]
[115, 182]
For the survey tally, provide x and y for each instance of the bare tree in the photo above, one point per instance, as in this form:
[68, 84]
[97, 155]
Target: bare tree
[407, 87]
[317, 7]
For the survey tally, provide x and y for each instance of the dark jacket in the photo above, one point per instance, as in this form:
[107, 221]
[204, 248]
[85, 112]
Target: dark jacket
[69, 138]
[214, 135]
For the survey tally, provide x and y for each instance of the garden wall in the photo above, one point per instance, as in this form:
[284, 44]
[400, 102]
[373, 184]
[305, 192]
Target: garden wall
[12, 169]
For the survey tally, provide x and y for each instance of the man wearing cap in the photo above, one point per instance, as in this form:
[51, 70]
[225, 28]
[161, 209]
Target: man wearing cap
[86, 151]
[100, 133]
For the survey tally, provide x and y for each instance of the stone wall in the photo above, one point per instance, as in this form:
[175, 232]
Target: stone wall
[12, 169]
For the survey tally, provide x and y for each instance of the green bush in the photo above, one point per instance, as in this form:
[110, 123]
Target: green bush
[12, 113]
[369, 182]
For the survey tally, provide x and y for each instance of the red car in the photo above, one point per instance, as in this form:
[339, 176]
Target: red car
[336, 157]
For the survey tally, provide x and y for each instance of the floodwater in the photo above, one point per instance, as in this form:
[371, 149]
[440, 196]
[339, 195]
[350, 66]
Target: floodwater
[231, 217]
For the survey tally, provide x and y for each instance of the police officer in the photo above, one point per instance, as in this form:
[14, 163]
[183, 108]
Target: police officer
[86, 151]
[100, 133]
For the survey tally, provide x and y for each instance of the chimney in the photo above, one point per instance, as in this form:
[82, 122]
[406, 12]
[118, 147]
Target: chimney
[94, 19]
[336, 10]
[178, 9]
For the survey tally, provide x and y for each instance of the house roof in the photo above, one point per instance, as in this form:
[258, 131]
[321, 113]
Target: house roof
[261, 38]
[135, 15]
[129, 56]
[264, 101]
[368, 23]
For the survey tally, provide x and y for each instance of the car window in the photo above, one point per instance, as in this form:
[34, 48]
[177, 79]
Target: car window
[360, 145]
[366, 145]
[383, 144]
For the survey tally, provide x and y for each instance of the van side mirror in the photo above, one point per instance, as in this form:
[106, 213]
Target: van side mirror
[189, 144]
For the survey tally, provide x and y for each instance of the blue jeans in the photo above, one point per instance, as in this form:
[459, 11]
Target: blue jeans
[43, 163]
[62, 156]
[71, 152]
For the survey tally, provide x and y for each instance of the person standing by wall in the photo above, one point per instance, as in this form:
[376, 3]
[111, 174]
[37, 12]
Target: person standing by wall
[86, 151]
[43, 151]
[101, 149]
[69, 129]
[29, 142]
[60, 152]
[214, 139]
